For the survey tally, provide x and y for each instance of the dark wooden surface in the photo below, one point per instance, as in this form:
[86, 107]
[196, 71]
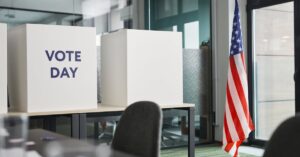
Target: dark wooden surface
[43, 139]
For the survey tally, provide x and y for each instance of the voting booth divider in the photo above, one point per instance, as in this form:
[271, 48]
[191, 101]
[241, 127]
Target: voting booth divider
[139, 65]
[52, 68]
[3, 68]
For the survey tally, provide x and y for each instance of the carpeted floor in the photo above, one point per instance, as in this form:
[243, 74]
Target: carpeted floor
[201, 151]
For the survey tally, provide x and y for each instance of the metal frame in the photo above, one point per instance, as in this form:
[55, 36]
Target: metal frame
[152, 23]
[297, 50]
[256, 4]
[75, 125]
[97, 117]
[191, 136]
[79, 122]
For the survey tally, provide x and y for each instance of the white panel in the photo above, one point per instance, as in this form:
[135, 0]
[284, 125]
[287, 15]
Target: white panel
[114, 69]
[155, 67]
[141, 65]
[3, 68]
[220, 61]
[191, 35]
[93, 8]
[115, 21]
[72, 91]
[17, 71]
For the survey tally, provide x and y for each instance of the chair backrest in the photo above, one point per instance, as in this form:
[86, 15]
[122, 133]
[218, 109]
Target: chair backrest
[139, 129]
[285, 141]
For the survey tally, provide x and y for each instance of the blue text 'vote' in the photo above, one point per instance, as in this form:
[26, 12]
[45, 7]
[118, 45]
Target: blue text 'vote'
[64, 55]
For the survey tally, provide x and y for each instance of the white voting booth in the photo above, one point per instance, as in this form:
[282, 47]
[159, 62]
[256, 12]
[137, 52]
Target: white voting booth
[3, 68]
[52, 68]
[141, 65]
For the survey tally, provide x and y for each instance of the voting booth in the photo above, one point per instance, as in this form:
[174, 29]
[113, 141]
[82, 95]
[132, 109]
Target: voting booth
[3, 68]
[141, 65]
[52, 68]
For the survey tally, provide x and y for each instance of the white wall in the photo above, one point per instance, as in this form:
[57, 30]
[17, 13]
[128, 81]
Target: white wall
[222, 17]
[3, 68]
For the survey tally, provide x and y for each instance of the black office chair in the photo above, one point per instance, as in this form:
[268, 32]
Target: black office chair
[139, 129]
[285, 141]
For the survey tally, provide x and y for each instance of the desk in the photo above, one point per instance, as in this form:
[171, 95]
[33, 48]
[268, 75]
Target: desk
[79, 119]
[37, 135]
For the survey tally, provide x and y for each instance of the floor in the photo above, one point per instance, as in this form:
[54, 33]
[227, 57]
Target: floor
[201, 151]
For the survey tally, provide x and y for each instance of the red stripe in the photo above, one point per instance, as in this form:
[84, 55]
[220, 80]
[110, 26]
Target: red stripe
[235, 118]
[228, 147]
[232, 109]
[251, 126]
[236, 152]
[250, 123]
[239, 88]
[227, 133]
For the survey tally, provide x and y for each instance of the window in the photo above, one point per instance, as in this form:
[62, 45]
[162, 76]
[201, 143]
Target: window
[273, 67]
[192, 18]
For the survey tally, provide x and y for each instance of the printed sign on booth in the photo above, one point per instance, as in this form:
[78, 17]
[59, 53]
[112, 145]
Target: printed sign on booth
[63, 56]
[60, 67]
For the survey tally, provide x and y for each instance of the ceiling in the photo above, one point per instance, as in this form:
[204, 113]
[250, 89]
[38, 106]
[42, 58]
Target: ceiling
[39, 11]
[17, 17]
[66, 6]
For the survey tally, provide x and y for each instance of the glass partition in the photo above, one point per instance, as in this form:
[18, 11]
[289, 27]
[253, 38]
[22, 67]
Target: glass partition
[15, 17]
[105, 15]
[273, 67]
[192, 18]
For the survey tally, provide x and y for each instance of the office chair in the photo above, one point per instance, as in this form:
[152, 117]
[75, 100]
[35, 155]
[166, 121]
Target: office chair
[139, 129]
[285, 141]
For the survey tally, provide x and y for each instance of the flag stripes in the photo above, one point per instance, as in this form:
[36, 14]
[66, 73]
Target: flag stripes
[237, 120]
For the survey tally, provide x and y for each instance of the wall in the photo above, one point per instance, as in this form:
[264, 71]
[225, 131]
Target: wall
[222, 17]
[3, 68]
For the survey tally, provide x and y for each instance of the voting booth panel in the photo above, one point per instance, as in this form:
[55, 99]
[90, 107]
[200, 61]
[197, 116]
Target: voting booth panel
[52, 68]
[141, 65]
[3, 68]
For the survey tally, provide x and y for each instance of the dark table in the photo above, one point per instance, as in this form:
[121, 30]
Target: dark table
[43, 138]
[79, 119]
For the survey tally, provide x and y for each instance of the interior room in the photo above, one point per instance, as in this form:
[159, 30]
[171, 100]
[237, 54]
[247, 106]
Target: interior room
[149, 78]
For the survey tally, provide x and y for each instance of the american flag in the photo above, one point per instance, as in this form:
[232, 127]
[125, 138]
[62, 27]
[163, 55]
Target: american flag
[237, 120]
